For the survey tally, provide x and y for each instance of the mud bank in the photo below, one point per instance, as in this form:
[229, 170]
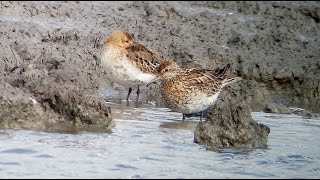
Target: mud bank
[50, 52]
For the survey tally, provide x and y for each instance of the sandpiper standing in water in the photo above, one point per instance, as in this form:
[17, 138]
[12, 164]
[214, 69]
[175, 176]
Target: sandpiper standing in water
[191, 90]
[128, 63]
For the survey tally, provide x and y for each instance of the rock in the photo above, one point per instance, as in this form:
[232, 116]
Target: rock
[307, 115]
[297, 111]
[282, 109]
[20, 110]
[302, 112]
[276, 108]
[229, 124]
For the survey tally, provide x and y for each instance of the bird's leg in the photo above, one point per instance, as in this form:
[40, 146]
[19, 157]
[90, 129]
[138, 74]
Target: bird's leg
[129, 92]
[201, 116]
[138, 92]
[183, 117]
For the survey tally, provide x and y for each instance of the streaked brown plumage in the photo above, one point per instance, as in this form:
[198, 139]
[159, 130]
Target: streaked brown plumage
[128, 63]
[191, 90]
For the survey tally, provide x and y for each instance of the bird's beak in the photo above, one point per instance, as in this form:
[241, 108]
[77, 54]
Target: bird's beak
[153, 80]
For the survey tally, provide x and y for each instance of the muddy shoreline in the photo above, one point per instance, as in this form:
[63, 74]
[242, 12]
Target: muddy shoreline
[50, 69]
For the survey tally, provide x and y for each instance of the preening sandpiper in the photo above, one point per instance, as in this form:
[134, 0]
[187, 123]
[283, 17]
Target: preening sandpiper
[128, 63]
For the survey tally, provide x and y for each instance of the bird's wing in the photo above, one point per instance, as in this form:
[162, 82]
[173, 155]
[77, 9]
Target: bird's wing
[208, 81]
[143, 58]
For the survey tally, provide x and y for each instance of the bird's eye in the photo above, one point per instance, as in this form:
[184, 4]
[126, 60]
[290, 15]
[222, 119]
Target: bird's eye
[166, 70]
[126, 41]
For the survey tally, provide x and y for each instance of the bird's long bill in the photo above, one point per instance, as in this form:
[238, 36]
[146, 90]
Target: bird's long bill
[153, 80]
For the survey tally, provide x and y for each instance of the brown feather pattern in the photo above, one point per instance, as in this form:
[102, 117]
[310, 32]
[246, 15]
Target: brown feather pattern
[207, 81]
[144, 59]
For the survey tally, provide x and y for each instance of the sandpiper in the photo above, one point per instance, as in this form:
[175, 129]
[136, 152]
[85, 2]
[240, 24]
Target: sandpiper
[128, 63]
[191, 90]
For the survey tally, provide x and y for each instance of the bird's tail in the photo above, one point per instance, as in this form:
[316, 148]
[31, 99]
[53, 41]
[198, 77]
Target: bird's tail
[221, 72]
[230, 81]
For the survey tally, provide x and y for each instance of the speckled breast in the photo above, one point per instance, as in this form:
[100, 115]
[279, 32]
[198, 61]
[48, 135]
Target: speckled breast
[186, 100]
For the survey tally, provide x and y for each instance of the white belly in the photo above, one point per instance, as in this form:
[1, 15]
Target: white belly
[194, 103]
[119, 69]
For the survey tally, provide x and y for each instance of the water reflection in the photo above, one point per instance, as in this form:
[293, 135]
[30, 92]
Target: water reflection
[148, 108]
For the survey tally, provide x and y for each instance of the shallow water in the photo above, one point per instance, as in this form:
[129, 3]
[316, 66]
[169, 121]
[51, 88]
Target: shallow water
[152, 142]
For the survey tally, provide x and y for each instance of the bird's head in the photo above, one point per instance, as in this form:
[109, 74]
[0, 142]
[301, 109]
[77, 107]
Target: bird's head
[121, 39]
[166, 70]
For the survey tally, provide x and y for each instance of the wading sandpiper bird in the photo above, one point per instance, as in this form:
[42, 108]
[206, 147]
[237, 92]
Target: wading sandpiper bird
[128, 63]
[191, 90]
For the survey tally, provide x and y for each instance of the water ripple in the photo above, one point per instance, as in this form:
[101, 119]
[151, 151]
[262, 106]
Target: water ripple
[18, 151]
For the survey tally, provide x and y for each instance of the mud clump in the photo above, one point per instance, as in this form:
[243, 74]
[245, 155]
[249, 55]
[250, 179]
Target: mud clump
[229, 124]
[48, 78]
